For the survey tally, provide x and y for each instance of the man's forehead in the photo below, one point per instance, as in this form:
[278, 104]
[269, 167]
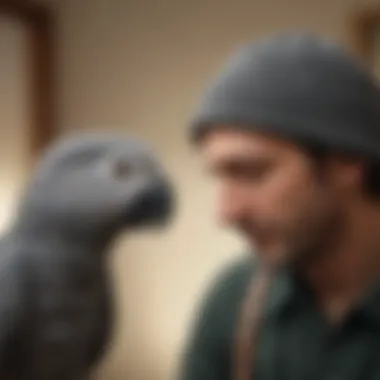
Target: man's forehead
[223, 143]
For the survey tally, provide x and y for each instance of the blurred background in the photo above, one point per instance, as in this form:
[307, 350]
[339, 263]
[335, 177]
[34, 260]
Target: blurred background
[140, 66]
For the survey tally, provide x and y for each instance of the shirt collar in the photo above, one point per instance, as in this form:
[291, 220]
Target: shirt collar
[282, 292]
[369, 307]
[285, 290]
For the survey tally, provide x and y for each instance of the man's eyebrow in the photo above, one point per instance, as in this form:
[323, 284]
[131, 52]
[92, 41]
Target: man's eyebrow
[239, 162]
[244, 157]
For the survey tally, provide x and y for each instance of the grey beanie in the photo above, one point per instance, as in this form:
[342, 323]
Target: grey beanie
[297, 86]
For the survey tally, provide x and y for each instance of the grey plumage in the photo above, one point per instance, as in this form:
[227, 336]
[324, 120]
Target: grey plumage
[55, 296]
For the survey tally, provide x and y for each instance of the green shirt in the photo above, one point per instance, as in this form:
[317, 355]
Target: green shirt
[295, 342]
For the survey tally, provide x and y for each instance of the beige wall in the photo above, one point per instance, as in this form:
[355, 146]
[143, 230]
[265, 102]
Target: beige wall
[140, 66]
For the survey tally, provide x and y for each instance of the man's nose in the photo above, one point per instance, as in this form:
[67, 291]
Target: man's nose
[231, 208]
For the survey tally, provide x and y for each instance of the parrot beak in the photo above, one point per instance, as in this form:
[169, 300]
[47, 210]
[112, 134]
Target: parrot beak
[153, 208]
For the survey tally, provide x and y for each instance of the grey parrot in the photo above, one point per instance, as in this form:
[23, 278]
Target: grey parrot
[56, 300]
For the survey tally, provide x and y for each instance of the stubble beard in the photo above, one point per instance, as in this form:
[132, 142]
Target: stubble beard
[317, 241]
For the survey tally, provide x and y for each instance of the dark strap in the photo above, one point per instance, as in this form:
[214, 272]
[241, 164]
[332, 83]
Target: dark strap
[249, 325]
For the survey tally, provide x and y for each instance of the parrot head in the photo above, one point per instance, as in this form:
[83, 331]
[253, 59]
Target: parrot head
[96, 184]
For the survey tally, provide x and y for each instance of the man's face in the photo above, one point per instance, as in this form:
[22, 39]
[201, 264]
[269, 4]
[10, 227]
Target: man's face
[274, 194]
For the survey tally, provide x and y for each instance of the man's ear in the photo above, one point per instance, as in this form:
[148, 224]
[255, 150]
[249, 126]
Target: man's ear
[347, 174]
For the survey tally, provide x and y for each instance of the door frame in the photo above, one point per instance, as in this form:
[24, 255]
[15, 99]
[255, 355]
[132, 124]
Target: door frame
[362, 25]
[39, 22]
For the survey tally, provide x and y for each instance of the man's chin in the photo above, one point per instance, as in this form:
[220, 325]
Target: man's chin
[272, 256]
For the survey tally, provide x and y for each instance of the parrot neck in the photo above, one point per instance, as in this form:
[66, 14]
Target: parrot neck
[46, 234]
[33, 225]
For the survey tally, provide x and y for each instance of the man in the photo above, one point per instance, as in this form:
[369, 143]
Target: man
[290, 130]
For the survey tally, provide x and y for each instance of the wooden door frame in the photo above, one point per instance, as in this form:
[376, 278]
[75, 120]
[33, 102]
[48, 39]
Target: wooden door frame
[362, 26]
[39, 21]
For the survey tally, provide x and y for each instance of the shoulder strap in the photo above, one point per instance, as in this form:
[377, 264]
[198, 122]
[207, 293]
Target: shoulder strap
[249, 324]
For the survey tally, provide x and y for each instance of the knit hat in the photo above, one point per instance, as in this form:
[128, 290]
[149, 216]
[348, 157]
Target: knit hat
[296, 86]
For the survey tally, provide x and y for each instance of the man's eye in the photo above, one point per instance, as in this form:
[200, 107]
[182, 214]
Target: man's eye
[249, 172]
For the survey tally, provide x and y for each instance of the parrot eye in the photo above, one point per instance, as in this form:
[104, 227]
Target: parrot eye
[122, 169]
